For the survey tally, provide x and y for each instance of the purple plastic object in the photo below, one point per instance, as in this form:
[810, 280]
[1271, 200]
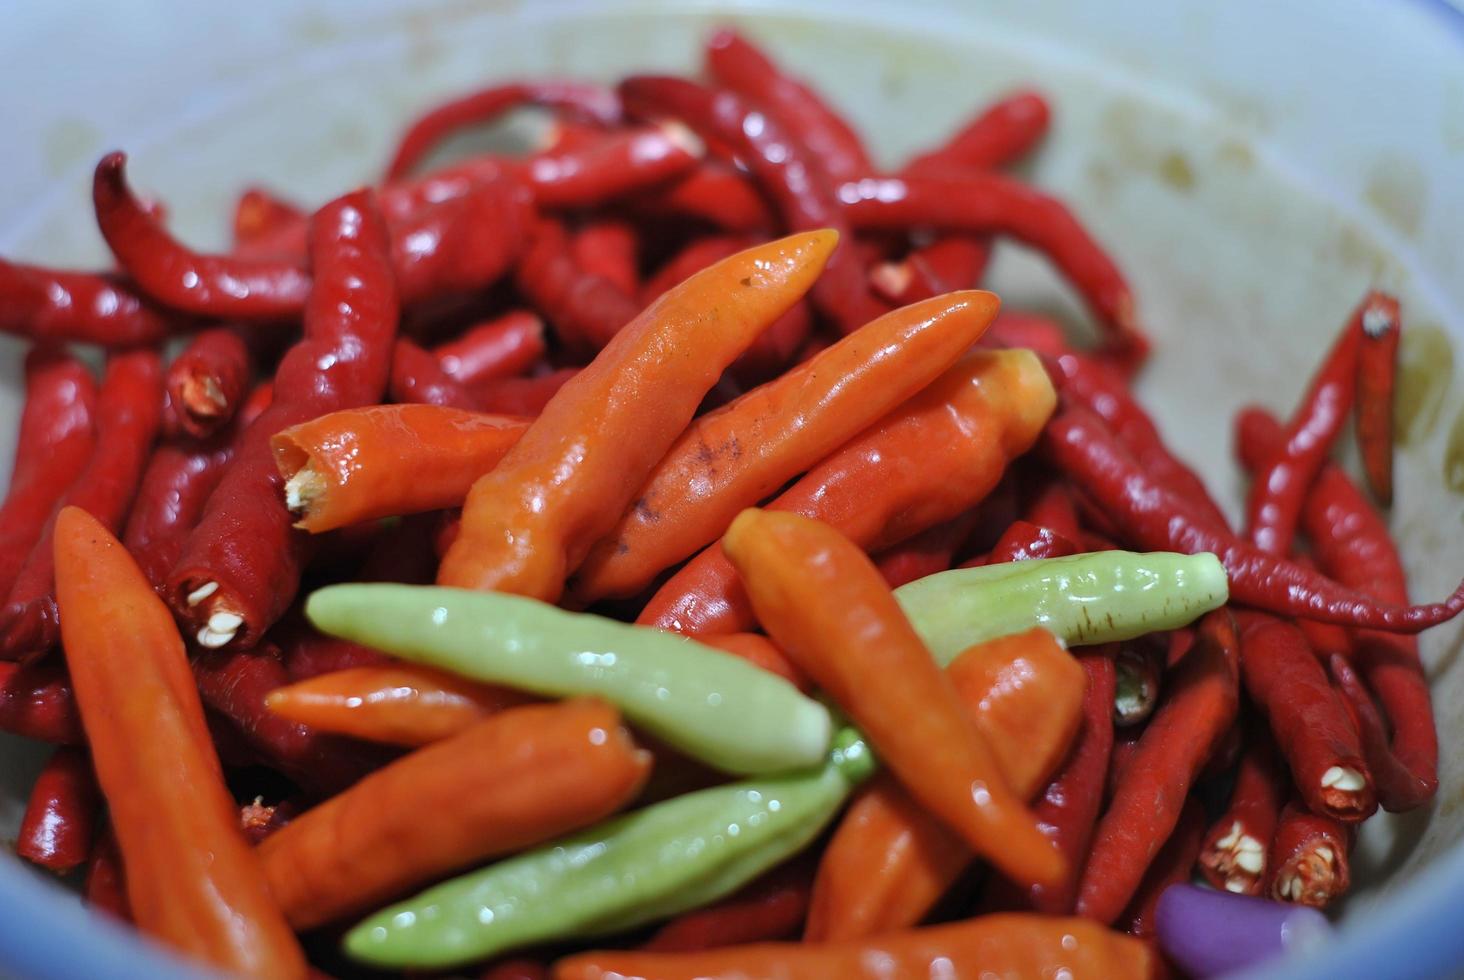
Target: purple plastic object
[1210, 933]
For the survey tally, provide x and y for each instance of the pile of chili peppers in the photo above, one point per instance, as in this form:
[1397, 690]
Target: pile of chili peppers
[458, 595]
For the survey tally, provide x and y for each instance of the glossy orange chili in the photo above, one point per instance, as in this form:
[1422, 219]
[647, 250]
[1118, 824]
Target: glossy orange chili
[193, 880]
[739, 454]
[360, 464]
[825, 604]
[890, 860]
[530, 522]
[520, 777]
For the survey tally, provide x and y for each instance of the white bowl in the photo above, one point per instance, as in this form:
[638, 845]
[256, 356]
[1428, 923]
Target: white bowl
[1254, 167]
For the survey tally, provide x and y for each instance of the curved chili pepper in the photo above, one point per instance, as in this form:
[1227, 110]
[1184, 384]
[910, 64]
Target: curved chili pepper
[222, 286]
[1003, 132]
[949, 263]
[924, 554]
[1280, 485]
[581, 461]
[462, 244]
[193, 880]
[1351, 542]
[36, 702]
[585, 309]
[786, 170]
[1308, 717]
[609, 248]
[241, 565]
[1014, 945]
[1203, 696]
[418, 378]
[504, 347]
[890, 860]
[1309, 858]
[619, 164]
[770, 908]
[1095, 386]
[986, 202]
[52, 447]
[522, 397]
[56, 831]
[739, 454]
[1377, 375]
[738, 65]
[1173, 864]
[714, 194]
[1234, 853]
[540, 771]
[54, 305]
[400, 704]
[207, 382]
[583, 100]
[260, 214]
[129, 414]
[1080, 445]
[1035, 332]
[1024, 542]
[361, 464]
[826, 606]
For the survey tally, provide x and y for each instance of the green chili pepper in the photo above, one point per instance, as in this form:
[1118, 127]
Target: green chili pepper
[1095, 598]
[710, 704]
[637, 868]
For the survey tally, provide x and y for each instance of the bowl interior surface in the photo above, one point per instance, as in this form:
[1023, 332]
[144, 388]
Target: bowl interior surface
[1252, 187]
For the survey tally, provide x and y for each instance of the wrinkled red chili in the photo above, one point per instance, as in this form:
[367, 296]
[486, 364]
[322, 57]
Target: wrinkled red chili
[207, 382]
[60, 818]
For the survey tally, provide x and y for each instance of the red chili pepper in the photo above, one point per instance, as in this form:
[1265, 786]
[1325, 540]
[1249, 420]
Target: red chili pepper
[106, 886]
[260, 214]
[516, 969]
[259, 820]
[1234, 853]
[211, 285]
[175, 487]
[1394, 782]
[1004, 132]
[1094, 385]
[460, 245]
[713, 194]
[585, 309]
[1351, 542]
[79, 307]
[786, 170]
[56, 831]
[579, 99]
[1280, 484]
[738, 65]
[503, 347]
[1308, 718]
[609, 248]
[235, 684]
[1309, 858]
[242, 563]
[1173, 865]
[521, 396]
[36, 702]
[207, 382]
[989, 203]
[129, 413]
[770, 908]
[1023, 541]
[417, 377]
[1203, 697]
[1031, 330]
[53, 445]
[1080, 445]
[1052, 508]
[1140, 679]
[949, 263]
[604, 171]
[926, 553]
[1377, 375]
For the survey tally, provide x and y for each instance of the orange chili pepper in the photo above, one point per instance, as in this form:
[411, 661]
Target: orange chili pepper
[531, 521]
[397, 703]
[890, 860]
[886, 485]
[825, 604]
[739, 454]
[386, 460]
[1010, 945]
[192, 879]
[512, 780]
